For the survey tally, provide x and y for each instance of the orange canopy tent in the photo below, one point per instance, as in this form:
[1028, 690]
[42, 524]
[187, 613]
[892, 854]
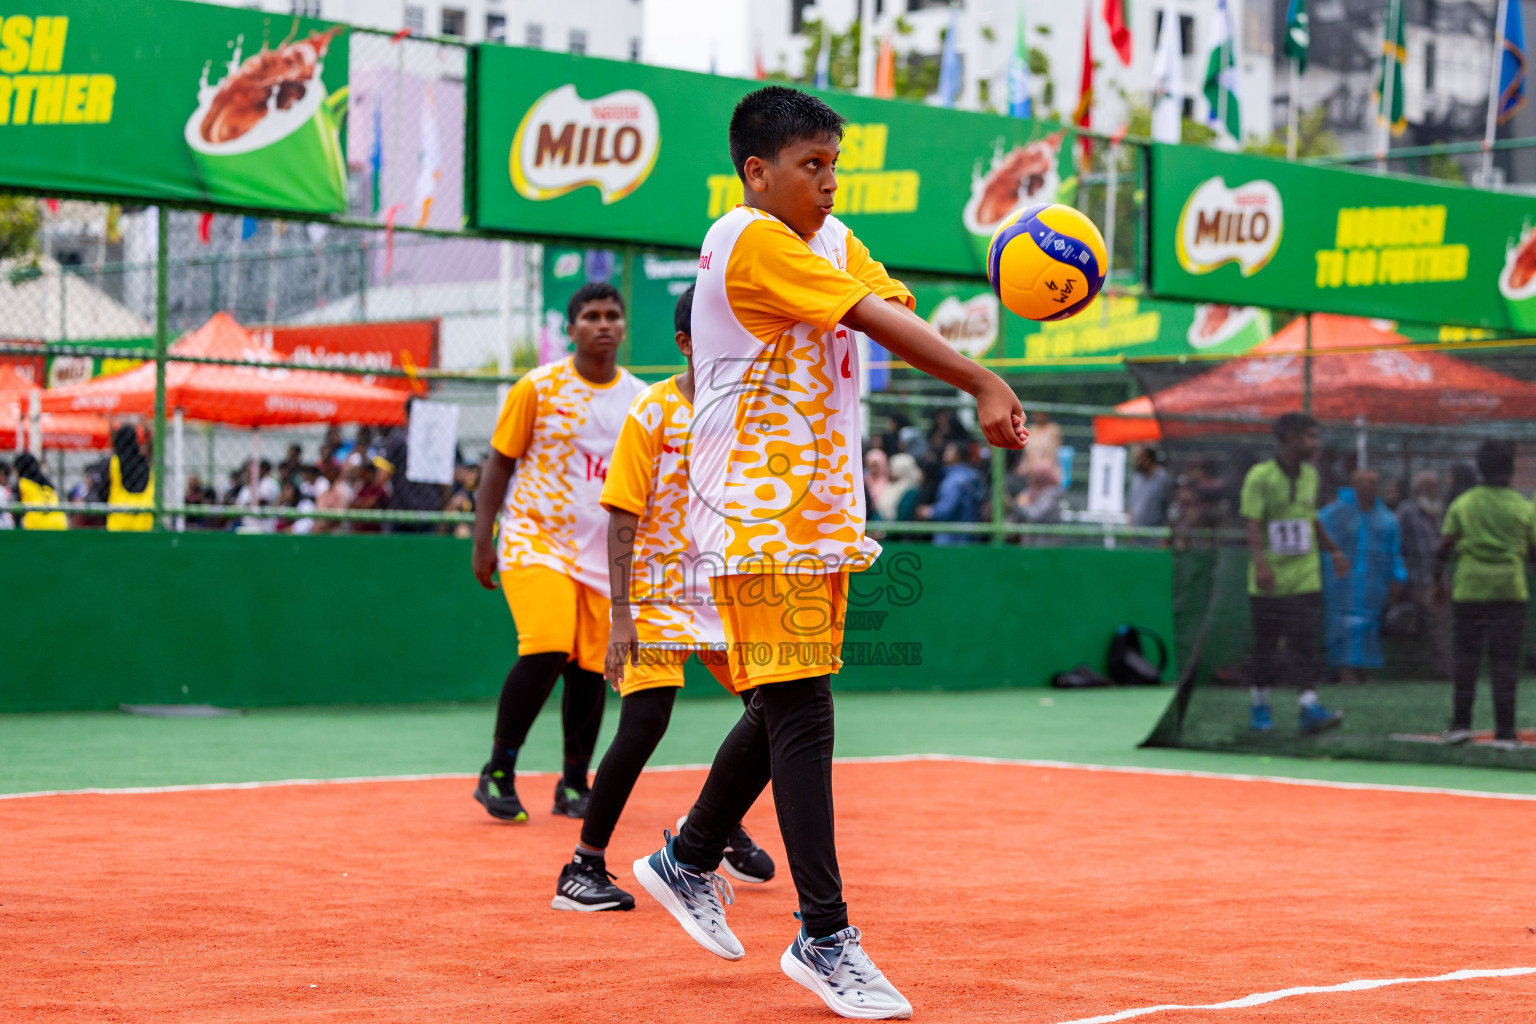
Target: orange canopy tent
[1398, 383]
[244, 396]
[67, 430]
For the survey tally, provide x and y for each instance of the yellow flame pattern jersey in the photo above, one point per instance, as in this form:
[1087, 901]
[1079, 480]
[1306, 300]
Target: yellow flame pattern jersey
[778, 476]
[649, 477]
[560, 428]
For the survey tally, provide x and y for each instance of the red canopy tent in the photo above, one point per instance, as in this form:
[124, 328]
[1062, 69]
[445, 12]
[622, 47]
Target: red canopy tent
[67, 430]
[1398, 383]
[245, 396]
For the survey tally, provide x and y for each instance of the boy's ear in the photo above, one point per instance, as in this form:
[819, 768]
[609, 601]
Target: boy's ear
[684, 344]
[755, 174]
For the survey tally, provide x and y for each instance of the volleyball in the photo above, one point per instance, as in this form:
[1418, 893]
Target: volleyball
[1047, 261]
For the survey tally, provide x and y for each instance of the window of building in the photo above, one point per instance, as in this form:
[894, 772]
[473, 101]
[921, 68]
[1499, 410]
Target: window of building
[1429, 66]
[1186, 33]
[797, 15]
[495, 28]
[578, 43]
[305, 8]
[453, 22]
[415, 19]
[634, 49]
[534, 36]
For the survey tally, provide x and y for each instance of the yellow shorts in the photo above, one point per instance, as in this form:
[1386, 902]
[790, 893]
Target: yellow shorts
[661, 664]
[553, 612]
[781, 626]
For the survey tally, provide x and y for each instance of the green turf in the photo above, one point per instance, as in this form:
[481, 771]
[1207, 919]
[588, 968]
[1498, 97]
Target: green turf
[111, 749]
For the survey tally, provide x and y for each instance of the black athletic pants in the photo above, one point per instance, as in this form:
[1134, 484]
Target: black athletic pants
[529, 685]
[1501, 626]
[786, 735]
[1285, 637]
[643, 718]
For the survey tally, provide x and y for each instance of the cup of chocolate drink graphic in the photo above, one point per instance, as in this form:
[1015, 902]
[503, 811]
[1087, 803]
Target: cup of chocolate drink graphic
[1518, 281]
[268, 134]
[1023, 175]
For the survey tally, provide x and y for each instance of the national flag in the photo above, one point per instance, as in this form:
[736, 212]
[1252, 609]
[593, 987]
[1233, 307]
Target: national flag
[758, 71]
[429, 160]
[1512, 65]
[247, 228]
[1020, 103]
[1119, 31]
[824, 58]
[949, 64]
[1298, 34]
[1394, 54]
[376, 160]
[885, 70]
[205, 228]
[1221, 75]
[1083, 114]
[1168, 79]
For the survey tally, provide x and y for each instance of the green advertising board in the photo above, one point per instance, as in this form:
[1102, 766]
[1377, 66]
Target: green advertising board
[173, 101]
[656, 279]
[579, 147]
[1248, 230]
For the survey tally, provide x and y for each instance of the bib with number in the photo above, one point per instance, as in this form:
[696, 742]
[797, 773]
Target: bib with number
[1290, 536]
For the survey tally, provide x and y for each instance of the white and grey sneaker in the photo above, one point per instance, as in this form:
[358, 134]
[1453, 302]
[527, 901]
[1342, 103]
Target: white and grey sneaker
[692, 896]
[1456, 737]
[1508, 743]
[839, 971]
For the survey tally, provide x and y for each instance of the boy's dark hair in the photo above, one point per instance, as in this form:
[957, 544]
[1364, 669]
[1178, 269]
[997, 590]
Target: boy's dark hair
[1496, 461]
[772, 118]
[682, 313]
[592, 291]
[1293, 424]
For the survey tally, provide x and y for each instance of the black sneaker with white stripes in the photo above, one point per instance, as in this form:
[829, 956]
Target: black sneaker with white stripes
[587, 886]
[744, 860]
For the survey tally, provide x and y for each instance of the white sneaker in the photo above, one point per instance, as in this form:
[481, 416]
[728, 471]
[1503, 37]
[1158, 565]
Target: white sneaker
[839, 971]
[1511, 743]
[1453, 737]
[693, 897]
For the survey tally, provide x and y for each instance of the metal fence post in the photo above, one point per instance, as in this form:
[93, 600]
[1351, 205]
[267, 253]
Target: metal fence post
[999, 496]
[162, 258]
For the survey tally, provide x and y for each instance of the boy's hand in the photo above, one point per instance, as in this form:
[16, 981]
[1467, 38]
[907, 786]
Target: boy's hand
[482, 561]
[623, 649]
[1000, 414]
[1340, 563]
[1263, 574]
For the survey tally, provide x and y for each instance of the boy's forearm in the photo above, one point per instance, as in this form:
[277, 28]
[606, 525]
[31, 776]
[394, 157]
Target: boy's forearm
[621, 555]
[496, 474]
[913, 340]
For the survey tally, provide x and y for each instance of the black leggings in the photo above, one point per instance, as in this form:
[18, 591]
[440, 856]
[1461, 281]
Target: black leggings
[1501, 626]
[528, 686]
[786, 732]
[1285, 633]
[643, 719]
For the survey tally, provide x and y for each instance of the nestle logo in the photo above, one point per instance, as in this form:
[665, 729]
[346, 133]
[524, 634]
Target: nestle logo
[616, 112]
[704, 260]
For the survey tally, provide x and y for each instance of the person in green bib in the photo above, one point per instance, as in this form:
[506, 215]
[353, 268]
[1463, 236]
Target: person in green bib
[1285, 582]
[1492, 531]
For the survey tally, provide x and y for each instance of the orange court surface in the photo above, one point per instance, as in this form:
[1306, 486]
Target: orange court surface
[1009, 892]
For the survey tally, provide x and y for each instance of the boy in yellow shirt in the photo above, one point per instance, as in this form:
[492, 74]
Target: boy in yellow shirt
[662, 616]
[777, 510]
[542, 480]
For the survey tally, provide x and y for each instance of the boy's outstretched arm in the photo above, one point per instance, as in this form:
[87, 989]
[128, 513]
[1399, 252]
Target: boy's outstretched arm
[912, 339]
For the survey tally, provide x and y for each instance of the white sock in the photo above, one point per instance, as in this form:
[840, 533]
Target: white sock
[1308, 698]
[1260, 695]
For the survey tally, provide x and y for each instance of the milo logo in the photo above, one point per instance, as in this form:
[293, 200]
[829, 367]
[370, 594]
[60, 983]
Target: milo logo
[971, 326]
[565, 142]
[1221, 225]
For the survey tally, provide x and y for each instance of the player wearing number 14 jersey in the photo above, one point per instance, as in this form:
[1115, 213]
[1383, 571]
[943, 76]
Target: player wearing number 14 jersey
[544, 477]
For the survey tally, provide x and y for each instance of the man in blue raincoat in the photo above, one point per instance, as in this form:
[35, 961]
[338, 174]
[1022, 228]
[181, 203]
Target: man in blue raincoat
[1367, 532]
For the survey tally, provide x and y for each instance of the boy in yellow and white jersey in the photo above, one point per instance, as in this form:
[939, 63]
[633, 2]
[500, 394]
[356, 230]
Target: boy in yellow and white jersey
[542, 479]
[778, 509]
[662, 616]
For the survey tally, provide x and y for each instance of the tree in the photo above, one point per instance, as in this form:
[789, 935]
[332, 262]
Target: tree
[1312, 137]
[1138, 123]
[20, 222]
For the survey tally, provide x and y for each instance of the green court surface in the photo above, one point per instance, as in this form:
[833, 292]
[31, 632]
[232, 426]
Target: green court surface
[113, 749]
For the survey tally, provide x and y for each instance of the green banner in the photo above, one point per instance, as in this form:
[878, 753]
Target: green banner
[579, 147]
[1245, 230]
[169, 100]
[656, 279]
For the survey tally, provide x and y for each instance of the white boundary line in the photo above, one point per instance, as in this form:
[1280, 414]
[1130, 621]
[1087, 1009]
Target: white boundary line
[1186, 773]
[1260, 998]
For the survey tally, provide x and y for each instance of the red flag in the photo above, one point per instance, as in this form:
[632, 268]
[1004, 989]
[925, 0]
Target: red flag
[389, 236]
[1119, 31]
[402, 34]
[205, 228]
[885, 70]
[1083, 115]
[759, 72]
[52, 204]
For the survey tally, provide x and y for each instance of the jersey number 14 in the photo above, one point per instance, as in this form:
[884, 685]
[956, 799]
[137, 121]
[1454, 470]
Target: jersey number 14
[596, 468]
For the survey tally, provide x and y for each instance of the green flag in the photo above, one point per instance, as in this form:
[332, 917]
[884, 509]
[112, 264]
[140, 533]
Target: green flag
[1221, 75]
[1394, 53]
[1298, 34]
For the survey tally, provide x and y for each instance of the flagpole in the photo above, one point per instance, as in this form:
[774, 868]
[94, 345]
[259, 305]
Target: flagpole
[1388, 75]
[1291, 117]
[1493, 93]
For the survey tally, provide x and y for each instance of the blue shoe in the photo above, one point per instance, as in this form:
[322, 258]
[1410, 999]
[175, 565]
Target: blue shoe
[1260, 719]
[839, 971]
[1315, 718]
[692, 896]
